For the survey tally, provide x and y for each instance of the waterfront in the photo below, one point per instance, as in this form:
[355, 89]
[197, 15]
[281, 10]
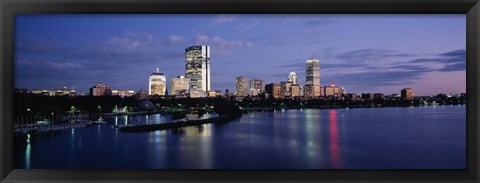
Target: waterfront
[427, 137]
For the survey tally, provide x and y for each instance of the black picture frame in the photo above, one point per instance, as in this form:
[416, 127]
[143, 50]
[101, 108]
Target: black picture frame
[8, 9]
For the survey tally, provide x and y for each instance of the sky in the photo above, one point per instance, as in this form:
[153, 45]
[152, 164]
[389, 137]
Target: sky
[362, 53]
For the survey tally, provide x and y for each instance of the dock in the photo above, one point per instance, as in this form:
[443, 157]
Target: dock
[178, 124]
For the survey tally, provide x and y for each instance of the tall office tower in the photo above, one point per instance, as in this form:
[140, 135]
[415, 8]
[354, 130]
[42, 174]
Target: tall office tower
[197, 67]
[256, 87]
[179, 85]
[292, 77]
[100, 89]
[312, 84]
[157, 83]
[407, 94]
[242, 87]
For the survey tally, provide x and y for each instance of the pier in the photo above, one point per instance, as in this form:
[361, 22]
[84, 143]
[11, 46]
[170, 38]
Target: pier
[177, 124]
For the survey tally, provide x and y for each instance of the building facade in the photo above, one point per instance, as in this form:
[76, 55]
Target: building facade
[157, 83]
[295, 90]
[256, 87]
[333, 90]
[312, 82]
[242, 87]
[407, 94]
[100, 89]
[179, 85]
[197, 67]
[285, 88]
[273, 90]
[123, 93]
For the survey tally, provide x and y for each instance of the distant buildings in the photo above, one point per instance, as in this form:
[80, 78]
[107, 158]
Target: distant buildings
[123, 93]
[197, 67]
[333, 90]
[312, 72]
[285, 87]
[242, 87]
[273, 90]
[141, 95]
[64, 91]
[179, 85]
[295, 90]
[157, 83]
[100, 89]
[256, 87]
[407, 94]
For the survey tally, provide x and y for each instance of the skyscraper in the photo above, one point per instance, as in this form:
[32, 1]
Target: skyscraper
[292, 77]
[242, 86]
[312, 72]
[179, 85]
[407, 94]
[197, 67]
[257, 86]
[157, 83]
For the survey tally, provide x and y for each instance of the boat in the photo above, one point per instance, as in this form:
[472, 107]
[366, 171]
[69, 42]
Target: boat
[100, 121]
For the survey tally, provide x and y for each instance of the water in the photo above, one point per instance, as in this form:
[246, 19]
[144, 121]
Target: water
[369, 138]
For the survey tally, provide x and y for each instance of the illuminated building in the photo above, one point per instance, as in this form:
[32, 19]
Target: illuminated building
[157, 83]
[333, 90]
[295, 90]
[197, 93]
[100, 89]
[242, 87]
[64, 91]
[292, 77]
[179, 84]
[273, 90]
[285, 88]
[197, 67]
[312, 72]
[407, 94]
[123, 93]
[256, 87]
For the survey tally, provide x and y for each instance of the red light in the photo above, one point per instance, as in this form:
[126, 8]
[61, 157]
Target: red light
[332, 85]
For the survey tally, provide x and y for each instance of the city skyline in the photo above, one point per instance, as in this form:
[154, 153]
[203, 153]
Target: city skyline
[242, 45]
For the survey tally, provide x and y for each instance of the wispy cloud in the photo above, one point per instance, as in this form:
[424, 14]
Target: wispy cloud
[174, 39]
[220, 45]
[220, 19]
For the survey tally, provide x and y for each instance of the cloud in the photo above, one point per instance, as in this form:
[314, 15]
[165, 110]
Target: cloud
[220, 19]
[174, 39]
[64, 65]
[220, 45]
[363, 55]
[452, 61]
[128, 43]
[242, 27]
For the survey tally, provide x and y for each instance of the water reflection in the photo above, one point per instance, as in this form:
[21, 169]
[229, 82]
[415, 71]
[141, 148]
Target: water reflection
[336, 158]
[28, 151]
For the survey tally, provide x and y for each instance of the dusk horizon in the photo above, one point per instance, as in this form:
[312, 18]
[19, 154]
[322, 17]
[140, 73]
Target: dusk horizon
[362, 53]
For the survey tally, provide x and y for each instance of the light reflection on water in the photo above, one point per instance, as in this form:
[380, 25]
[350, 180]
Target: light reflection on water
[423, 137]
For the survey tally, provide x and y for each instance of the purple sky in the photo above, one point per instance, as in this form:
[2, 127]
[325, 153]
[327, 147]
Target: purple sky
[363, 53]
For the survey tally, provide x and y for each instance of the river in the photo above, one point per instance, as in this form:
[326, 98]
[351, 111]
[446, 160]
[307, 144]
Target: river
[431, 137]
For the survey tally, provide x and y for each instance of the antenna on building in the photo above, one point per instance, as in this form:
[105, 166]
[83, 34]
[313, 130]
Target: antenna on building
[158, 70]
